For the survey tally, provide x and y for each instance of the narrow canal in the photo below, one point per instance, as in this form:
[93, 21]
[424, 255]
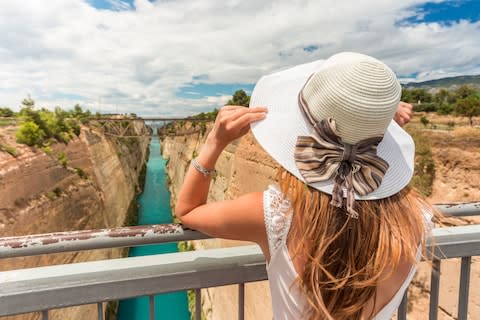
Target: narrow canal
[155, 208]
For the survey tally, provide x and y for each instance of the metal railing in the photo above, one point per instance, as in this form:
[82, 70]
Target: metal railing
[44, 288]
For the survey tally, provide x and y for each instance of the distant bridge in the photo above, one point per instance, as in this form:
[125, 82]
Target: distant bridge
[151, 119]
[121, 127]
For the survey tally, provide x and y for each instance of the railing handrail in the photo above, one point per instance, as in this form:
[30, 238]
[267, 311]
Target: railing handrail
[68, 241]
[43, 288]
[96, 281]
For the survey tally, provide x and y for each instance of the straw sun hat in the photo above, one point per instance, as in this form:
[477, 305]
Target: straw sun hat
[360, 94]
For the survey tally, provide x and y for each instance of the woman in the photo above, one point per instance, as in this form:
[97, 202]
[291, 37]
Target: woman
[342, 231]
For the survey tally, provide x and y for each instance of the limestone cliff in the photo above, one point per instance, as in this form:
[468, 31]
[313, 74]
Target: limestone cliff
[245, 167]
[92, 188]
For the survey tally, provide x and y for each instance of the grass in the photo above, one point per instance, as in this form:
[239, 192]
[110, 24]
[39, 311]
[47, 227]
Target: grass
[62, 158]
[424, 170]
[9, 149]
[7, 122]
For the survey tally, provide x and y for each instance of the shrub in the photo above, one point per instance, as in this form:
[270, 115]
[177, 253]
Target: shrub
[424, 120]
[444, 108]
[62, 158]
[81, 173]
[30, 134]
[57, 191]
[425, 107]
[47, 149]
[9, 149]
[6, 112]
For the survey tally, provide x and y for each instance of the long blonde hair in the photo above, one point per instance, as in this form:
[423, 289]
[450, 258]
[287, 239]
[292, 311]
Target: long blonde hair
[346, 258]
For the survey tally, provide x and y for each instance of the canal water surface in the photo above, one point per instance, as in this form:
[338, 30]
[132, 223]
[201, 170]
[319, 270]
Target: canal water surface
[155, 208]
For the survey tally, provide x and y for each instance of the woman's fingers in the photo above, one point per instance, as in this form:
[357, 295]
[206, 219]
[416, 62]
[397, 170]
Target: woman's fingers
[233, 122]
[247, 118]
[230, 107]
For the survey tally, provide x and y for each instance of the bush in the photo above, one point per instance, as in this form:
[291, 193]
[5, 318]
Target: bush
[30, 134]
[81, 173]
[60, 124]
[445, 108]
[9, 149]
[57, 191]
[47, 149]
[6, 112]
[425, 107]
[62, 158]
[424, 120]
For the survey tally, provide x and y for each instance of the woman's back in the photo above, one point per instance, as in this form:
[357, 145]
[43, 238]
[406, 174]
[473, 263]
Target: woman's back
[284, 266]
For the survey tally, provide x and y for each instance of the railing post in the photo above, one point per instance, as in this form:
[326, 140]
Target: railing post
[198, 304]
[241, 301]
[464, 288]
[151, 300]
[402, 309]
[100, 310]
[45, 315]
[434, 289]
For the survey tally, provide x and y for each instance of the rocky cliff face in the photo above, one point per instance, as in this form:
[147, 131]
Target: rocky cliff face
[93, 188]
[245, 167]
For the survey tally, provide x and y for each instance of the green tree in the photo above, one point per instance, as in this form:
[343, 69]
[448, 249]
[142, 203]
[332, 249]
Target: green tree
[30, 134]
[419, 96]
[28, 102]
[6, 112]
[468, 107]
[442, 96]
[445, 108]
[240, 98]
[406, 95]
[464, 91]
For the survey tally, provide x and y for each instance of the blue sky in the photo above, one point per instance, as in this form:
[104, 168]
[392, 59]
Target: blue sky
[446, 12]
[113, 4]
[187, 56]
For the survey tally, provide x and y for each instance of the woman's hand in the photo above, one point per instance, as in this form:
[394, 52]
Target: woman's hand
[232, 122]
[404, 113]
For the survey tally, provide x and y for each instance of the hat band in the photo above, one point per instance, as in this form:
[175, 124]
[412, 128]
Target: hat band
[322, 156]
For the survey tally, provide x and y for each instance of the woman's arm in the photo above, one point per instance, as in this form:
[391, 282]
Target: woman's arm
[228, 219]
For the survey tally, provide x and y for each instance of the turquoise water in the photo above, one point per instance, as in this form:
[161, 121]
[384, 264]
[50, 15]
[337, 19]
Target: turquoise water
[155, 208]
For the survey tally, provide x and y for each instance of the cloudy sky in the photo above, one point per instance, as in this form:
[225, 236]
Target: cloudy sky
[180, 57]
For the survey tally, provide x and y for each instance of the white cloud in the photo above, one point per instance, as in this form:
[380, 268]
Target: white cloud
[135, 60]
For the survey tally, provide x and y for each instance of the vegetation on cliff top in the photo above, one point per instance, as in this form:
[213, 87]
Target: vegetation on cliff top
[37, 127]
[464, 101]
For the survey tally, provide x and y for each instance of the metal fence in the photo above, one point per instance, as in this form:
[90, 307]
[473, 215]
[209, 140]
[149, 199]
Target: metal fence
[45, 288]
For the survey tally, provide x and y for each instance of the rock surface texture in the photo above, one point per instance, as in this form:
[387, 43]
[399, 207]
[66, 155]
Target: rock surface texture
[93, 190]
[245, 167]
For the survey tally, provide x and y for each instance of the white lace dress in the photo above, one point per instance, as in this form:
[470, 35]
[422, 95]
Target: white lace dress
[288, 302]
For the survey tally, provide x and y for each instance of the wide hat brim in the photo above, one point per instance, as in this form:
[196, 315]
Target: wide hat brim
[278, 132]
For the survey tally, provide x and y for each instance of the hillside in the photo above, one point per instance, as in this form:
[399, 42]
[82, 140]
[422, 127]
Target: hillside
[446, 82]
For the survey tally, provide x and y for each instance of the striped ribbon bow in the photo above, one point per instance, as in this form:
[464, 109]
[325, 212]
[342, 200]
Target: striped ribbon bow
[357, 168]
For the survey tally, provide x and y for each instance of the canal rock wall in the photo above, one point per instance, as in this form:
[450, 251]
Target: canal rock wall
[245, 167]
[88, 183]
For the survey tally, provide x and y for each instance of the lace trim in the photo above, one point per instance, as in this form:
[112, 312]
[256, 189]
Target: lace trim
[278, 217]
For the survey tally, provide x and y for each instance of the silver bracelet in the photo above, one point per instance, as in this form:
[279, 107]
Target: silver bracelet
[206, 172]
